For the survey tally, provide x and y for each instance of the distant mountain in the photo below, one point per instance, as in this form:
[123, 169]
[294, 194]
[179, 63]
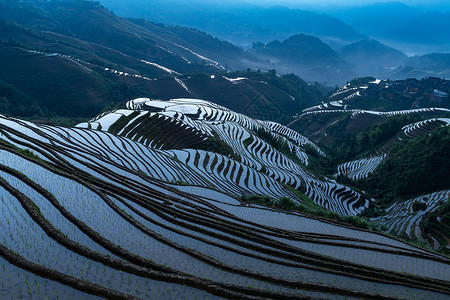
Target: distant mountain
[197, 45]
[439, 62]
[300, 49]
[409, 29]
[305, 55]
[282, 38]
[367, 17]
[239, 23]
[370, 57]
[421, 66]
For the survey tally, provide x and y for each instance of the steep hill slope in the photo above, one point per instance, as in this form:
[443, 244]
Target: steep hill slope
[246, 143]
[64, 81]
[83, 24]
[47, 84]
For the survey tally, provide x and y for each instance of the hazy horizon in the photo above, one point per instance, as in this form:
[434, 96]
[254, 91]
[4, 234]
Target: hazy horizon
[439, 5]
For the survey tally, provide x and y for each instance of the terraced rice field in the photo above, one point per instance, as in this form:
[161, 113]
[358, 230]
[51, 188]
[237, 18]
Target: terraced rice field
[88, 213]
[360, 168]
[356, 112]
[256, 166]
[424, 127]
[402, 219]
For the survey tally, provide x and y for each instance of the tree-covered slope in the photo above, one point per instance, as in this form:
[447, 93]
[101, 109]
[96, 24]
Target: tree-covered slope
[414, 166]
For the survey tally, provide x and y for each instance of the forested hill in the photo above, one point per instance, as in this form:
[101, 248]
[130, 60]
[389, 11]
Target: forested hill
[90, 59]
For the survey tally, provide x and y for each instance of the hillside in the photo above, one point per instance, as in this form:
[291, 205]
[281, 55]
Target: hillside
[425, 154]
[301, 49]
[82, 24]
[81, 204]
[248, 142]
[196, 45]
[435, 64]
[89, 70]
[64, 82]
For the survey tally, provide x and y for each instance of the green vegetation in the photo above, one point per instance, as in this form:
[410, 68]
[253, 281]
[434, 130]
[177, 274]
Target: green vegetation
[283, 203]
[57, 88]
[216, 145]
[419, 206]
[413, 166]
[283, 146]
[306, 94]
[247, 141]
[444, 212]
[27, 152]
[276, 142]
[347, 146]
[318, 164]
[17, 103]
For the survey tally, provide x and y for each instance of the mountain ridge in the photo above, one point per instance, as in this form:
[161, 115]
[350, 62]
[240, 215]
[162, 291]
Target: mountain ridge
[252, 19]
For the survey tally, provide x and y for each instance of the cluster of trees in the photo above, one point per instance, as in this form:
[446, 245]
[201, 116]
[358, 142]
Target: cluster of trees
[351, 146]
[308, 94]
[14, 102]
[278, 144]
[317, 164]
[217, 145]
[413, 166]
